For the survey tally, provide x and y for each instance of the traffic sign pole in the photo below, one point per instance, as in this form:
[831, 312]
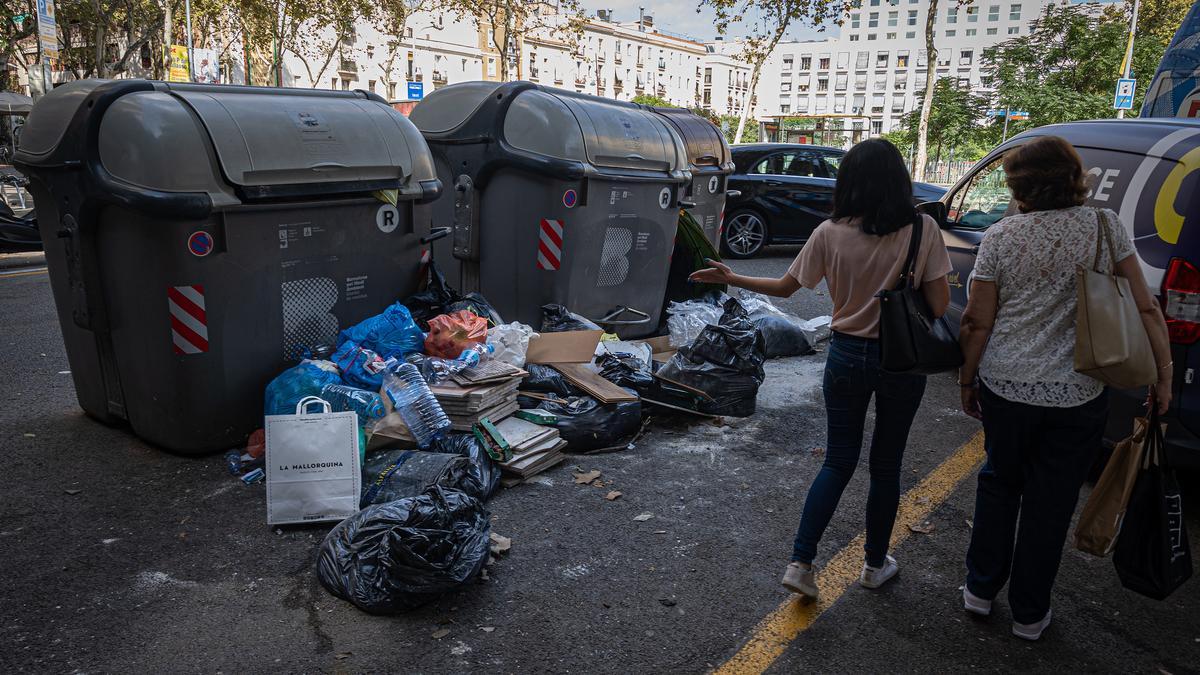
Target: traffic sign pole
[1129, 50]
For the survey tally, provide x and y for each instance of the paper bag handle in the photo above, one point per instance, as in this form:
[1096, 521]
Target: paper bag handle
[302, 406]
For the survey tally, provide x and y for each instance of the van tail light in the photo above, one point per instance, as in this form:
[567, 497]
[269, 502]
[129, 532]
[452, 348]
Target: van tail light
[1181, 289]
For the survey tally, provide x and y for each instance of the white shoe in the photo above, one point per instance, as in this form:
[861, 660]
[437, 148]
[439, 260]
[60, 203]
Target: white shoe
[874, 577]
[975, 604]
[800, 579]
[1031, 631]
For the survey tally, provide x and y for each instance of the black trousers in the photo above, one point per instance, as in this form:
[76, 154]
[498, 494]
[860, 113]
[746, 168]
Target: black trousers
[1037, 459]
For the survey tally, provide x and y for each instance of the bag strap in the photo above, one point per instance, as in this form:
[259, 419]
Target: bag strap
[302, 406]
[909, 271]
[1103, 236]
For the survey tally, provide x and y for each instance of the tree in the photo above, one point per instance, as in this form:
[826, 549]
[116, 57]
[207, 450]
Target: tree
[1067, 66]
[13, 32]
[507, 20]
[922, 140]
[769, 21]
[953, 123]
[651, 100]
[87, 28]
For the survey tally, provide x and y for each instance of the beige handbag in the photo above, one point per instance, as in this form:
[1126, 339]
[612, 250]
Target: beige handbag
[1111, 344]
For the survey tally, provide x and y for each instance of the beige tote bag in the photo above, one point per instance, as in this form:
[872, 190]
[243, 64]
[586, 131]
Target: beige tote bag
[1102, 515]
[1111, 344]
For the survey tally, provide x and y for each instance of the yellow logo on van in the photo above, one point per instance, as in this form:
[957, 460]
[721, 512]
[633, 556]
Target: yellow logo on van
[1167, 220]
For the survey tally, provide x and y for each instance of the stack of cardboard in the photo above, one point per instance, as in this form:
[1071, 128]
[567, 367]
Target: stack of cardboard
[535, 448]
[465, 406]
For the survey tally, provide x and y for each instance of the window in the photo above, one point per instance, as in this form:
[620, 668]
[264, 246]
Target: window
[839, 105]
[843, 61]
[877, 103]
[890, 36]
[991, 31]
[910, 35]
[876, 127]
[943, 57]
[1013, 30]
[901, 81]
[921, 79]
[802, 86]
[952, 15]
[922, 58]
[964, 83]
[333, 83]
[994, 13]
[871, 36]
[708, 76]
[392, 91]
[893, 18]
[802, 106]
[785, 86]
[898, 103]
[860, 82]
[787, 61]
[970, 32]
[881, 60]
[785, 108]
[861, 60]
[708, 97]
[902, 58]
[966, 57]
[860, 102]
[803, 164]
[972, 15]
[951, 33]
[985, 200]
[840, 82]
[832, 161]
[822, 84]
[1014, 12]
[823, 62]
[855, 20]
[371, 86]
[805, 62]
[854, 38]
[912, 17]
[881, 83]
[874, 3]
[822, 104]
[873, 20]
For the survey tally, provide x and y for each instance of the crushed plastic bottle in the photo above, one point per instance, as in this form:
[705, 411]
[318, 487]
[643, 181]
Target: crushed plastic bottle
[342, 398]
[411, 397]
[476, 353]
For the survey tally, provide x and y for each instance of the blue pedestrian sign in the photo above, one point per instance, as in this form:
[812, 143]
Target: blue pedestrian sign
[416, 91]
[1123, 100]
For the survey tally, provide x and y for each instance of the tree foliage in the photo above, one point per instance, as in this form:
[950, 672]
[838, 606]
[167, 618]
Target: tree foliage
[955, 122]
[652, 100]
[506, 22]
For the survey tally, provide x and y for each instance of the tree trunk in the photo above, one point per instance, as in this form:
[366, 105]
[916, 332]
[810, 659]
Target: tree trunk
[927, 102]
[756, 65]
[168, 37]
[101, 37]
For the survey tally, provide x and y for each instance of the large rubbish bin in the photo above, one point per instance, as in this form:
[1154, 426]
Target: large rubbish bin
[556, 197]
[709, 162]
[200, 238]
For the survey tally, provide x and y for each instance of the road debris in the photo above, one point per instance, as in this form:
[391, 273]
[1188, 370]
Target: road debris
[643, 517]
[585, 477]
[923, 528]
[72, 492]
[613, 496]
[499, 544]
[667, 602]
[817, 452]
[440, 633]
[487, 629]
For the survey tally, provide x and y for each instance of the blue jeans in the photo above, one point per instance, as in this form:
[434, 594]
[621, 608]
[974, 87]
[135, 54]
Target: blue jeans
[852, 377]
[1037, 459]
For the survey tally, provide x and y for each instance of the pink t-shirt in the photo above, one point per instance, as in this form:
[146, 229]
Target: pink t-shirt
[857, 265]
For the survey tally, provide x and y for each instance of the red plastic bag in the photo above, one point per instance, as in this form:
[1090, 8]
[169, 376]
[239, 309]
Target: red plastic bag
[450, 334]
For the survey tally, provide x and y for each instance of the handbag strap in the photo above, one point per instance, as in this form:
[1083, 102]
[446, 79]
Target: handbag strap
[909, 272]
[1103, 236]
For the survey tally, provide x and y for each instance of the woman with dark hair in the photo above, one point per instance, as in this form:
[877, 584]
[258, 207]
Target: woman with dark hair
[858, 252]
[1042, 421]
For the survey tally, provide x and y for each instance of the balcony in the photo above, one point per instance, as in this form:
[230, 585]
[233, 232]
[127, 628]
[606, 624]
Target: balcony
[662, 64]
[348, 69]
[558, 79]
[599, 57]
[580, 81]
[661, 91]
[439, 77]
[617, 57]
[533, 73]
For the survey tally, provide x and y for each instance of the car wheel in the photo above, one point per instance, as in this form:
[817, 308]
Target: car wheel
[744, 235]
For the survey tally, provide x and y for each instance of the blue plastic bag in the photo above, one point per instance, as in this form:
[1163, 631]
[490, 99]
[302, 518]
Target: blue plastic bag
[391, 334]
[361, 367]
[297, 382]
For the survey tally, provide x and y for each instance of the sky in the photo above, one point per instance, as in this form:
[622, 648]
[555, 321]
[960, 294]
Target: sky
[681, 17]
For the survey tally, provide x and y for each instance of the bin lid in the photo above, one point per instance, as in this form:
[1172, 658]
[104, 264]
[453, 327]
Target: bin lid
[608, 134]
[705, 145]
[185, 137]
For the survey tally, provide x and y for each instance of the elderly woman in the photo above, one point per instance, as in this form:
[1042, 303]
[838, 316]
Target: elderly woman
[1043, 422]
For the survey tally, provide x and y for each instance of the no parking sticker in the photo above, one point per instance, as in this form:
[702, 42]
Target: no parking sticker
[570, 199]
[200, 243]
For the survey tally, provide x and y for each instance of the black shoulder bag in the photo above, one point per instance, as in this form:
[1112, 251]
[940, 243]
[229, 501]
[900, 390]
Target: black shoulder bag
[911, 340]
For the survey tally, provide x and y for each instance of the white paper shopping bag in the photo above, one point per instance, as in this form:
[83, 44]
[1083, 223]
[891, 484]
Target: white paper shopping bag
[313, 471]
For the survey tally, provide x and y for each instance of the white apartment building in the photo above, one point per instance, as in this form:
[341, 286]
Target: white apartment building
[726, 82]
[865, 79]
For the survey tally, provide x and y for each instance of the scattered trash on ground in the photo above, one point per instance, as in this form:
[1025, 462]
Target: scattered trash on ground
[922, 528]
[586, 477]
[643, 517]
[613, 496]
[499, 545]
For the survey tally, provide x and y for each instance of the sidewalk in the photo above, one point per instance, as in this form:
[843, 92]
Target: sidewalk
[10, 261]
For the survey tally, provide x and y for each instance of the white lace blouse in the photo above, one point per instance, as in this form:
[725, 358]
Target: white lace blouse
[1032, 258]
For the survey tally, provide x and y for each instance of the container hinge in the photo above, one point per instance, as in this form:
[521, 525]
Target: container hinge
[466, 226]
[68, 232]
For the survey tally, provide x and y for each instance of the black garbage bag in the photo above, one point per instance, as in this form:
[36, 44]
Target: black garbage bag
[781, 337]
[389, 475]
[440, 298]
[400, 555]
[546, 380]
[559, 319]
[725, 362]
[586, 424]
[1152, 555]
[626, 370]
[483, 476]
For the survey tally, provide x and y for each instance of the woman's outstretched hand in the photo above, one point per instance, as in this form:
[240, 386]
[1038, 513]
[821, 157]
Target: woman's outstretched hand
[716, 273]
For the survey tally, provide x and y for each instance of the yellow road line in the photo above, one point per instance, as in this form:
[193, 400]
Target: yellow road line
[22, 273]
[774, 633]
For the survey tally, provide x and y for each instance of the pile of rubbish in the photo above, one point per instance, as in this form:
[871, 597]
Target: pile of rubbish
[407, 426]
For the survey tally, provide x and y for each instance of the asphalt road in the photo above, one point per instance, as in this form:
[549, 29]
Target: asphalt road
[120, 557]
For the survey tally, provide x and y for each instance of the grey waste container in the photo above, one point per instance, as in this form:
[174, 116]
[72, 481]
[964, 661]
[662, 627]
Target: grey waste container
[556, 197]
[199, 238]
[709, 162]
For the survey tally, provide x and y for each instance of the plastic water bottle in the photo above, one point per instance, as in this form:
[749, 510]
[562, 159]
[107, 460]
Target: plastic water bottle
[342, 398]
[416, 403]
[476, 353]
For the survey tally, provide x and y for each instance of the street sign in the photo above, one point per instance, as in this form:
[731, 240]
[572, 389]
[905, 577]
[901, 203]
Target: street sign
[181, 70]
[47, 30]
[416, 91]
[1012, 114]
[1123, 99]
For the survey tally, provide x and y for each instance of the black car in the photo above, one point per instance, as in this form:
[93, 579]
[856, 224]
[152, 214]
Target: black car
[786, 191]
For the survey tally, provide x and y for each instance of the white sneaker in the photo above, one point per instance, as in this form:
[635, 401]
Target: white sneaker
[874, 577]
[975, 604]
[798, 578]
[1031, 631]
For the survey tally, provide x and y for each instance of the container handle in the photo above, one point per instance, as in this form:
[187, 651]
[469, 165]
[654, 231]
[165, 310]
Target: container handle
[302, 406]
[610, 319]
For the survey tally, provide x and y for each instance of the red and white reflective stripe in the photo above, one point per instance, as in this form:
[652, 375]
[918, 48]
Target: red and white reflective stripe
[189, 323]
[550, 245]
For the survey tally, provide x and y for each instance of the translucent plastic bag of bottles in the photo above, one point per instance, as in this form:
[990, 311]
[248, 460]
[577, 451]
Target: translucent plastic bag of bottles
[302, 380]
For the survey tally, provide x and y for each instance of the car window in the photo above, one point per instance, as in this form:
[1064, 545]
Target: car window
[790, 164]
[985, 199]
[832, 162]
